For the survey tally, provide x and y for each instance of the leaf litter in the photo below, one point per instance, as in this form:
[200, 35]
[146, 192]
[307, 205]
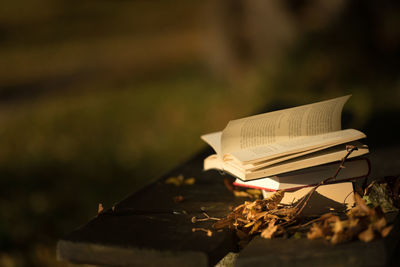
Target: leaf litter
[269, 218]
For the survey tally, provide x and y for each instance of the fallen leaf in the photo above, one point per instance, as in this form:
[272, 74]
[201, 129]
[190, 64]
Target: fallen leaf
[207, 231]
[175, 180]
[259, 215]
[338, 226]
[361, 204]
[353, 222]
[255, 228]
[178, 199]
[385, 231]
[99, 208]
[223, 223]
[274, 199]
[315, 232]
[339, 237]
[190, 181]
[268, 232]
[180, 180]
[297, 235]
[367, 235]
[249, 224]
[287, 212]
[379, 224]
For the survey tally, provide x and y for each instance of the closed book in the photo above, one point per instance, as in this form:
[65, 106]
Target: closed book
[290, 181]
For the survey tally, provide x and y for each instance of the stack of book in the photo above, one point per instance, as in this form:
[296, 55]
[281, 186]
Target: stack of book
[291, 150]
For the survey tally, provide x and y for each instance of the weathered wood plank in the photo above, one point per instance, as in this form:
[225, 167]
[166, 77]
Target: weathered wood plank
[303, 252]
[149, 227]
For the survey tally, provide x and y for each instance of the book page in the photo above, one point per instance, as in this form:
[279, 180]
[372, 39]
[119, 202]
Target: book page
[308, 153]
[271, 151]
[214, 140]
[283, 125]
[268, 162]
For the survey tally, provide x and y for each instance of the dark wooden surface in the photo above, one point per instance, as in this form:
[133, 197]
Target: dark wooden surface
[303, 252]
[149, 228]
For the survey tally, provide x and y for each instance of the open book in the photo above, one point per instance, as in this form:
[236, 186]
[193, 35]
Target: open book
[282, 141]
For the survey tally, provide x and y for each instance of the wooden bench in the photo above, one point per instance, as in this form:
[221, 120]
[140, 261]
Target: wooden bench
[153, 227]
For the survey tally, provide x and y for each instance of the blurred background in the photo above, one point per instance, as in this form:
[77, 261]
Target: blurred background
[99, 98]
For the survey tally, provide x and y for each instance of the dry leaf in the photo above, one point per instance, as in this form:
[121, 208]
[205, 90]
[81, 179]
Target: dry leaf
[315, 232]
[353, 222]
[361, 204]
[385, 231]
[287, 212]
[180, 180]
[261, 214]
[367, 235]
[190, 181]
[249, 224]
[363, 223]
[223, 223]
[178, 199]
[207, 231]
[297, 235]
[243, 221]
[379, 224]
[100, 208]
[269, 216]
[175, 180]
[255, 227]
[270, 230]
[239, 208]
[338, 226]
[274, 199]
[340, 237]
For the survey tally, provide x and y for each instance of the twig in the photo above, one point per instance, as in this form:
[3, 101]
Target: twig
[350, 149]
[305, 224]
[207, 231]
[207, 218]
[368, 188]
